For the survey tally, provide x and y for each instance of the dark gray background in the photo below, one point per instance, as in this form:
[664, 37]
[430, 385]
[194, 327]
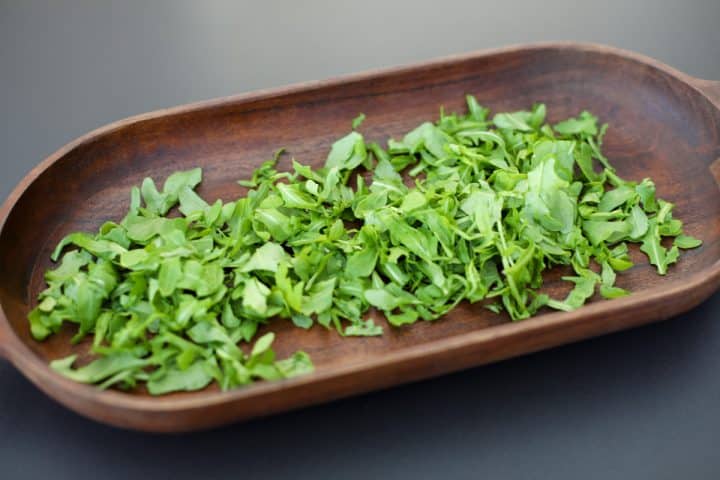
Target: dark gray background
[639, 404]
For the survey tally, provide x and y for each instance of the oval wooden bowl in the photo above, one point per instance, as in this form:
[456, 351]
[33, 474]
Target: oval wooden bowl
[663, 124]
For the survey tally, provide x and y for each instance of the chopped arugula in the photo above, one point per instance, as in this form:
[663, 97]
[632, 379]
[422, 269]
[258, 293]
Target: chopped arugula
[496, 201]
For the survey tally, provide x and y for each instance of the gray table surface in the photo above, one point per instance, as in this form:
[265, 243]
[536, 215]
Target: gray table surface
[639, 404]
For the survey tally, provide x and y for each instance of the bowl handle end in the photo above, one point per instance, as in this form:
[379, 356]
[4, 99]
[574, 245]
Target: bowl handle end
[711, 89]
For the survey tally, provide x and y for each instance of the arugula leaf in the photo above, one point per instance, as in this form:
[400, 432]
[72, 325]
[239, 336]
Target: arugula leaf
[362, 328]
[357, 121]
[99, 369]
[298, 364]
[348, 152]
[362, 263]
[195, 377]
[638, 222]
[657, 254]
[584, 289]
[428, 137]
[585, 124]
[190, 201]
[178, 181]
[268, 257]
[513, 121]
[382, 299]
[687, 242]
[476, 112]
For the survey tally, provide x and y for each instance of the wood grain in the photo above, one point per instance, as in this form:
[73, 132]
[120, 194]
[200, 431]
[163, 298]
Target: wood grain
[663, 124]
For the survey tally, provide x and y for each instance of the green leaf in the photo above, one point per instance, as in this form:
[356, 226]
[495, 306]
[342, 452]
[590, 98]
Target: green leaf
[583, 157]
[686, 242]
[607, 287]
[347, 153]
[132, 258]
[475, 110]
[99, 369]
[638, 222]
[255, 296]
[357, 121]
[646, 191]
[429, 137]
[142, 229]
[267, 257]
[154, 200]
[302, 321]
[615, 198]
[320, 298]
[190, 201]
[601, 231]
[207, 332]
[415, 240]
[382, 299]
[362, 328]
[537, 116]
[71, 264]
[485, 209]
[277, 224]
[170, 276]
[298, 364]
[262, 344]
[413, 201]
[584, 289]
[294, 197]
[405, 318]
[179, 181]
[585, 124]
[100, 248]
[195, 377]
[513, 121]
[613, 292]
[657, 254]
[229, 320]
[362, 263]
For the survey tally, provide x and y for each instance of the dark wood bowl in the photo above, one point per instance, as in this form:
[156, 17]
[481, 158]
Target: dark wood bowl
[663, 124]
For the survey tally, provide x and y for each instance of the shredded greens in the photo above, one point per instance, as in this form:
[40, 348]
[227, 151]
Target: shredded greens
[493, 202]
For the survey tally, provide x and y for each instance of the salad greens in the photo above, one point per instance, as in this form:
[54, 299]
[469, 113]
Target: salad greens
[473, 207]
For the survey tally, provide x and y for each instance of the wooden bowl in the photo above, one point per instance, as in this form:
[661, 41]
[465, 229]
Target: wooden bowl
[663, 124]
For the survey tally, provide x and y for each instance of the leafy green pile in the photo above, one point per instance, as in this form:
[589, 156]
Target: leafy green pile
[494, 203]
